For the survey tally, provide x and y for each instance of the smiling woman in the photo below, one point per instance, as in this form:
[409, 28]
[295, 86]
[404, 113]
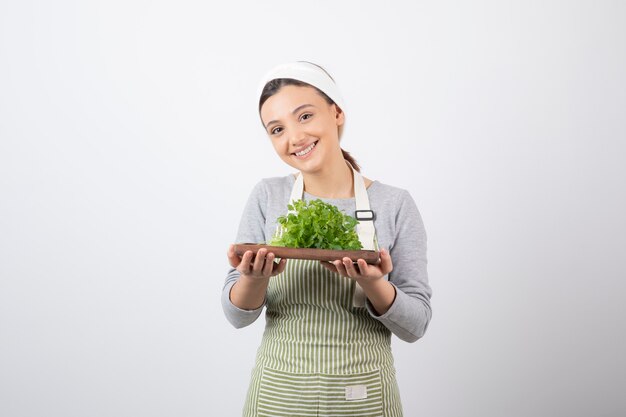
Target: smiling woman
[326, 349]
[275, 85]
[307, 136]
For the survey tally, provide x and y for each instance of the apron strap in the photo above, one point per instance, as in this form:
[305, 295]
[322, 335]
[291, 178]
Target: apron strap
[297, 190]
[365, 227]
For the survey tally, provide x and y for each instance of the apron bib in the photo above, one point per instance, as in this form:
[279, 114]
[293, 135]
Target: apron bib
[322, 354]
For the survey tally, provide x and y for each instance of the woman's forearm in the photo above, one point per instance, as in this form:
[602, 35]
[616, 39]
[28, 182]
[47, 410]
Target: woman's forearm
[248, 293]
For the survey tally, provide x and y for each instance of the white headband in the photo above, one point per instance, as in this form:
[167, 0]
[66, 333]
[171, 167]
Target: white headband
[308, 73]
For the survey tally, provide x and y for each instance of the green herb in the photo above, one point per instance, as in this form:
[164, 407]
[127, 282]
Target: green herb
[317, 225]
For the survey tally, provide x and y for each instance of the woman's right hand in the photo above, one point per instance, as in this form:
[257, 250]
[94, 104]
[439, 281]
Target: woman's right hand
[261, 266]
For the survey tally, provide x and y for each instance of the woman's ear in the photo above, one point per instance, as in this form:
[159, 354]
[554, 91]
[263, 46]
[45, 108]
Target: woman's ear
[339, 115]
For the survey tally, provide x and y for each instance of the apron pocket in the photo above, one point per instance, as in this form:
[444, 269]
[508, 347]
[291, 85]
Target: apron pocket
[290, 394]
[351, 395]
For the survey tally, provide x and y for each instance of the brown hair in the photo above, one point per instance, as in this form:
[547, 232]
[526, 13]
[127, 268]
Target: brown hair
[274, 86]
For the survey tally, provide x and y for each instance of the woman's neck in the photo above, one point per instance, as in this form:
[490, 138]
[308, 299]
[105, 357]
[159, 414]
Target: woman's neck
[335, 181]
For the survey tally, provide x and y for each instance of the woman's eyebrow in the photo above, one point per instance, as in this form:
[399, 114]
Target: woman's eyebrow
[294, 111]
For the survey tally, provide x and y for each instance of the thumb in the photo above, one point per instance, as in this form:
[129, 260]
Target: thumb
[233, 259]
[386, 265]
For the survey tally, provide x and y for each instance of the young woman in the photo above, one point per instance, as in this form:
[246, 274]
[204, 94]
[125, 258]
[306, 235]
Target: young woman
[326, 349]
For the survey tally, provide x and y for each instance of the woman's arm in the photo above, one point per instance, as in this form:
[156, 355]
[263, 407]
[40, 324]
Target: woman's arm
[409, 315]
[401, 302]
[249, 299]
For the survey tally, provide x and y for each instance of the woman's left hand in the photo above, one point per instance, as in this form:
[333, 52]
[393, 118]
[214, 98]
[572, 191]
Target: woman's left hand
[362, 272]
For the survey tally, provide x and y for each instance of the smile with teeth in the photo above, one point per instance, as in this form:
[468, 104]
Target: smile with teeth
[306, 150]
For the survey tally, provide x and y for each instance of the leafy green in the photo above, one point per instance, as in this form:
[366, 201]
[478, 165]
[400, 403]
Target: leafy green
[316, 225]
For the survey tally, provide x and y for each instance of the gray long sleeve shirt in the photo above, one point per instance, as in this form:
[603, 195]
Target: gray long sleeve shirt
[399, 229]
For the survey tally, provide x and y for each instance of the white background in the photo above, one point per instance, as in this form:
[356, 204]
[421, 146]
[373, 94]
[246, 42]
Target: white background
[130, 142]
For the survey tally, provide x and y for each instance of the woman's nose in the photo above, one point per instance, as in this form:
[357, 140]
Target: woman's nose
[297, 138]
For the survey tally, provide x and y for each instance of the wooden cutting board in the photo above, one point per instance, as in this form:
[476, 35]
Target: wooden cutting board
[370, 256]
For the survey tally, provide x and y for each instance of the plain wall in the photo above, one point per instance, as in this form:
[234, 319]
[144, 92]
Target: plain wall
[130, 140]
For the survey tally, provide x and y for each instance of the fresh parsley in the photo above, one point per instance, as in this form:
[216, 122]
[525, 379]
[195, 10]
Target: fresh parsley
[317, 225]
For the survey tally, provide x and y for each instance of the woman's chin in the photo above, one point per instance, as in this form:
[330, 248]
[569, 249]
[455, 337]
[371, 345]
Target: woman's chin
[303, 164]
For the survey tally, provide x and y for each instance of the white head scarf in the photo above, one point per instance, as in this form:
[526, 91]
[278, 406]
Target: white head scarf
[308, 73]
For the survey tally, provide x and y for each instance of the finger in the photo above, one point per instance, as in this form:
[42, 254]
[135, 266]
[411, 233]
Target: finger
[269, 265]
[244, 265]
[386, 265]
[341, 269]
[349, 265]
[363, 267]
[329, 265]
[280, 267]
[259, 261]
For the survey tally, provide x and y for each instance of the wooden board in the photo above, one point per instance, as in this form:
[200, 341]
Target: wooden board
[370, 256]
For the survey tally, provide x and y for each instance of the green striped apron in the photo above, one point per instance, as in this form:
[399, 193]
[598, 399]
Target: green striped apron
[321, 354]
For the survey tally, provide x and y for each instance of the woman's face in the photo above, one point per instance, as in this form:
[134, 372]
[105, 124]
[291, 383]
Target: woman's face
[303, 127]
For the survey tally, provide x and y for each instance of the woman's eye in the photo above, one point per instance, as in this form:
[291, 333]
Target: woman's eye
[276, 130]
[306, 114]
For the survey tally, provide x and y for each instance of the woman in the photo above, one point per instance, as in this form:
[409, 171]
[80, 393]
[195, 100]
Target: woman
[326, 349]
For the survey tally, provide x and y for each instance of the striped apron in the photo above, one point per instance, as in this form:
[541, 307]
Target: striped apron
[321, 354]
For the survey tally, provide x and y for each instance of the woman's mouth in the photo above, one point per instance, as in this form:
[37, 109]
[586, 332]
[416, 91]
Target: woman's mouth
[306, 152]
